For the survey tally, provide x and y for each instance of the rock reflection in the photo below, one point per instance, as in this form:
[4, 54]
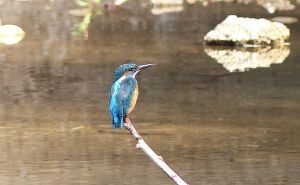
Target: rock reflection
[11, 34]
[285, 19]
[243, 59]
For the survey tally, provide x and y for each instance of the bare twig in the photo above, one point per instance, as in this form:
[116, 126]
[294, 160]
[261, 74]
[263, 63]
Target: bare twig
[141, 144]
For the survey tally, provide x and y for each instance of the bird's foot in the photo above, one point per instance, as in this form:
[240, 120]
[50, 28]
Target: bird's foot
[127, 122]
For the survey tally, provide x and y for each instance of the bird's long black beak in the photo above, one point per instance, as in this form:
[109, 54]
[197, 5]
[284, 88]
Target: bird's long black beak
[144, 66]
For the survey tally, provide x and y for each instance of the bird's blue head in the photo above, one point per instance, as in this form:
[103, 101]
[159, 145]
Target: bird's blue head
[130, 69]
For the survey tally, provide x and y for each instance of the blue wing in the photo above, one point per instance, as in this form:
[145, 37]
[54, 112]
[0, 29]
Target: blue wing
[120, 100]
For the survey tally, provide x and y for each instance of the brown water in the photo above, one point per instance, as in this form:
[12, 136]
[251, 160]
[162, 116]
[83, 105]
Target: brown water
[210, 125]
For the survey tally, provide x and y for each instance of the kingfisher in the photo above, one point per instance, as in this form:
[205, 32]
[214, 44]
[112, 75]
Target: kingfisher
[124, 92]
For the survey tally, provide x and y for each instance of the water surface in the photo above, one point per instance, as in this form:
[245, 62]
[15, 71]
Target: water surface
[211, 125]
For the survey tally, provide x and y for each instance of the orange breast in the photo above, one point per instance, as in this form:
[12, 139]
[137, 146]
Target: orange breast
[134, 98]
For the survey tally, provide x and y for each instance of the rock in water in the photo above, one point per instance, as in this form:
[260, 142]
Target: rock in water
[239, 31]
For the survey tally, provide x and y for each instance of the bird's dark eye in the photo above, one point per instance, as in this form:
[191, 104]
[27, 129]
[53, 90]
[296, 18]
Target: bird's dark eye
[131, 69]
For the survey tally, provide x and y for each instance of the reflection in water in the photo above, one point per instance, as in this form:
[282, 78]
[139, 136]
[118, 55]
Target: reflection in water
[119, 2]
[161, 9]
[11, 34]
[285, 20]
[242, 59]
[166, 6]
[83, 26]
[79, 12]
[270, 5]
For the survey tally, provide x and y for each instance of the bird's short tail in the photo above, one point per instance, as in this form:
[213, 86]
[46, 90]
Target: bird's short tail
[117, 122]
